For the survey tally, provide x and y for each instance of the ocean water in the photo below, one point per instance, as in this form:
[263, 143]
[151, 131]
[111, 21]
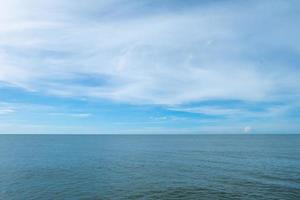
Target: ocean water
[149, 167]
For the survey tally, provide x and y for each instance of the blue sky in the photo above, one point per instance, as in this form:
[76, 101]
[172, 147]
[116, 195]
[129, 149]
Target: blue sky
[142, 66]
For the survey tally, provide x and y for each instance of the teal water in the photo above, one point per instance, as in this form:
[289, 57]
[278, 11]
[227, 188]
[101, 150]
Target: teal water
[149, 167]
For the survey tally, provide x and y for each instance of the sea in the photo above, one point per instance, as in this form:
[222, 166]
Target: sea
[94, 167]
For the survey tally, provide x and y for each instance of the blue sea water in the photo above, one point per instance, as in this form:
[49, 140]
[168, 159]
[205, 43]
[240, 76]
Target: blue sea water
[149, 167]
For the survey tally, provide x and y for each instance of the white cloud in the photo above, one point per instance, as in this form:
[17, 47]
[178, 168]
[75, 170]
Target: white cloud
[209, 110]
[6, 108]
[76, 115]
[209, 52]
[4, 111]
[247, 129]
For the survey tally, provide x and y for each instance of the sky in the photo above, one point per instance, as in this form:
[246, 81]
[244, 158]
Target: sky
[149, 66]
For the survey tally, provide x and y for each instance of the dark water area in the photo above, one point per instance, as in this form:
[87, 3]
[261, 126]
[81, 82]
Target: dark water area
[149, 167]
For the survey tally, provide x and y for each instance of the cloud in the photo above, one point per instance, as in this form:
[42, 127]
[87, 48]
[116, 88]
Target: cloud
[76, 115]
[4, 111]
[209, 110]
[6, 108]
[237, 110]
[247, 129]
[202, 52]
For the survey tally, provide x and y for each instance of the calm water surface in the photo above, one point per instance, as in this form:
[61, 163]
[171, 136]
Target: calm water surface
[149, 167]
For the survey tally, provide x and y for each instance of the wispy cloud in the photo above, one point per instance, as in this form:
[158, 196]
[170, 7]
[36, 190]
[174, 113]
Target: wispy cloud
[238, 111]
[215, 51]
[76, 115]
[4, 111]
[6, 108]
[169, 55]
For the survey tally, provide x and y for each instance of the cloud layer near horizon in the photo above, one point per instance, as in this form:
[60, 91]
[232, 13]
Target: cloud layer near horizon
[144, 53]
